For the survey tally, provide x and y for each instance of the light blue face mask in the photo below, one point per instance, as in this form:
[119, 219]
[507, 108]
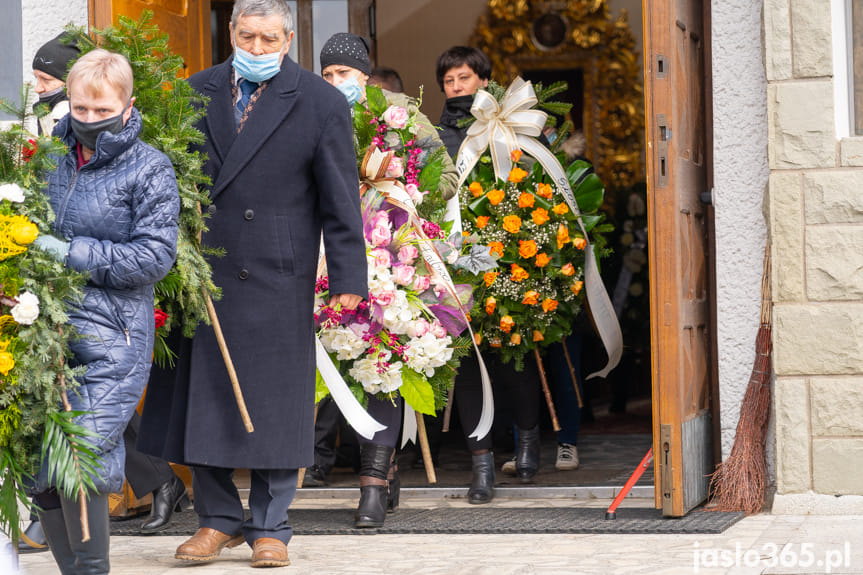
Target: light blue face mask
[351, 90]
[256, 68]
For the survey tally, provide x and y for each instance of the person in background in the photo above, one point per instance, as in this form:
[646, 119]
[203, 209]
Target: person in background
[345, 64]
[50, 65]
[386, 78]
[280, 157]
[116, 205]
[460, 72]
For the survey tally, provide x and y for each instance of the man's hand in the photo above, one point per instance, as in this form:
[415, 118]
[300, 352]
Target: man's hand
[347, 300]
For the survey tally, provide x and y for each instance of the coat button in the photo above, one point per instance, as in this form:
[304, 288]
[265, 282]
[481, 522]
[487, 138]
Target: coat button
[212, 209]
[244, 274]
[249, 215]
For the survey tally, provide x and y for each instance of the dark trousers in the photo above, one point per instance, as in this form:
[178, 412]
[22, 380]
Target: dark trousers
[565, 398]
[144, 473]
[218, 504]
[518, 390]
[386, 413]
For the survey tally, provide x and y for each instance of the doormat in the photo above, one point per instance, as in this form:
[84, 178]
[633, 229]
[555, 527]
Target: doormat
[470, 520]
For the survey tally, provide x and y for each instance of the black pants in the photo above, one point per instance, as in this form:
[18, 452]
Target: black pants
[386, 413]
[144, 473]
[515, 390]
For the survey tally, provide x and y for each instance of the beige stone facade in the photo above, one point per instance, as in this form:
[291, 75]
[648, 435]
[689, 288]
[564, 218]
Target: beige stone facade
[815, 219]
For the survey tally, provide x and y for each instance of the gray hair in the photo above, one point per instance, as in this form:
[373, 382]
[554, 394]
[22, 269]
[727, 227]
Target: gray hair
[263, 8]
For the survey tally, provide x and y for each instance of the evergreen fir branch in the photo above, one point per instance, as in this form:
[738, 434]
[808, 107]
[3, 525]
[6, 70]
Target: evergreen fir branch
[73, 461]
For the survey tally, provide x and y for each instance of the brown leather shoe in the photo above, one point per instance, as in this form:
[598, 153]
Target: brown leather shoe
[269, 552]
[206, 544]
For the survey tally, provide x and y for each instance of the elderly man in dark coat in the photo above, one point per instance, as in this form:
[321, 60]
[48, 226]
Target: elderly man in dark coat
[280, 155]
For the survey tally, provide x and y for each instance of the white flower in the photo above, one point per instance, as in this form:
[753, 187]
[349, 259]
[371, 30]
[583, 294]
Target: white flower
[428, 352]
[344, 342]
[366, 371]
[13, 193]
[399, 314]
[26, 310]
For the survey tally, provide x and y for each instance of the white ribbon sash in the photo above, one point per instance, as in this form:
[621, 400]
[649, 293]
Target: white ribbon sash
[356, 416]
[375, 163]
[513, 125]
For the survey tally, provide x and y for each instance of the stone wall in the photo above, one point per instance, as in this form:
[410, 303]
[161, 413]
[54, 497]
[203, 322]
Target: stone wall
[816, 225]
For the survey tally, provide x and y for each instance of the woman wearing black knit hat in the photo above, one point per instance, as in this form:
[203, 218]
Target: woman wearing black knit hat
[346, 65]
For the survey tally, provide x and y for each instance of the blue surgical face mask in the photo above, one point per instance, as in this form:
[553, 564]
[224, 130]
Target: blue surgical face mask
[551, 138]
[256, 68]
[351, 90]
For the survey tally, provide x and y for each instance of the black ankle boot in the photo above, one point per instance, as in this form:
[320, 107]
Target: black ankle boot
[527, 458]
[394, 486]
[482, 487]
[171, 496]
[374, 462]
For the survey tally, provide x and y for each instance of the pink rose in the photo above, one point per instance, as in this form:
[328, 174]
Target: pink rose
[385, 297]
[418, 328]
[408, 253]
[381, 257]
[396, 117]
[421, 283]
[381, 234]
[438, 330]
[403, 274]
[396, 169]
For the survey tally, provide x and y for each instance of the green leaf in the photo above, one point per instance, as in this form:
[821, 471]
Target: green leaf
[321, 389]
[417, 392]
[429, 178]
[480, 206]
[589, 193]
[376, 100]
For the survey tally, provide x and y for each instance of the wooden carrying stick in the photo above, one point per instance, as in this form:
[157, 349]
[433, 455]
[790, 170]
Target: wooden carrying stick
[572, 372]
[82, 495]
[232, 373]
[546, 390]
[424, 447]
[301, 474]
[447, 412]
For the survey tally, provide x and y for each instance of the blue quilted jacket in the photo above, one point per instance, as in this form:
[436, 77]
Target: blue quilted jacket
[119, 212]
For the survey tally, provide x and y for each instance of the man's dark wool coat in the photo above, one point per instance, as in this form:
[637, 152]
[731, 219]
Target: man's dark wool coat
[289, 174]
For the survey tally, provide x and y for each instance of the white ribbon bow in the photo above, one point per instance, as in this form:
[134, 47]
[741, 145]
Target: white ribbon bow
[511, 125]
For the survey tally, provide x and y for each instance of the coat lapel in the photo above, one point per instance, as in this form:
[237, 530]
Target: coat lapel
[222, 132]
[270, 110]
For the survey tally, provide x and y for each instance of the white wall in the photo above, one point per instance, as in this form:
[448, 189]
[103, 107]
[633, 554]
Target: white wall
[740, 178]
[42, 20]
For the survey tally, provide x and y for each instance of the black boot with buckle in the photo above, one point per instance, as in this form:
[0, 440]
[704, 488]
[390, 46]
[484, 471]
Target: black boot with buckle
[374, 467]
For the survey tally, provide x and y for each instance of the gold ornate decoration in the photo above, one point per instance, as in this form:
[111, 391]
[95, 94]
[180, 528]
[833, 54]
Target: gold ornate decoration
[602, 47]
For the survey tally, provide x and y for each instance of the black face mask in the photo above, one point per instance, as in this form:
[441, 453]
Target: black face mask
[51, 98]
[88, 132]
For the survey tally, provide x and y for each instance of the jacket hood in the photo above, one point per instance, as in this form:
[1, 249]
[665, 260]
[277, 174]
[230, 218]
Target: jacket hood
[108, 145]
[456, 109]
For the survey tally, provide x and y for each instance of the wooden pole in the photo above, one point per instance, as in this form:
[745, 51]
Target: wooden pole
[572, 372]
[424, 447]
[302, 472]
[82, 495]
[232, 373]
[447, 412]
[546, 390]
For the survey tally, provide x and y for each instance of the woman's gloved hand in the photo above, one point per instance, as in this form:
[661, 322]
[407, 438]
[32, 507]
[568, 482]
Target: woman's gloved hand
[57, 248]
